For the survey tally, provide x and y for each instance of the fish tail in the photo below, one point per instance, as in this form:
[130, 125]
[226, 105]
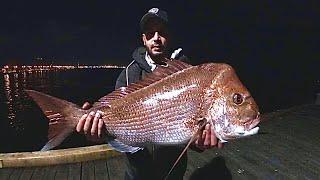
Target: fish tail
[63, 117]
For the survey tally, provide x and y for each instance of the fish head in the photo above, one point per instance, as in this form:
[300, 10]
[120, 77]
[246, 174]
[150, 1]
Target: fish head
[232, 112]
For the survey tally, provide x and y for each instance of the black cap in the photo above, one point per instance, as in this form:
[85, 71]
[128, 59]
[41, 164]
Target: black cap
[153, 13]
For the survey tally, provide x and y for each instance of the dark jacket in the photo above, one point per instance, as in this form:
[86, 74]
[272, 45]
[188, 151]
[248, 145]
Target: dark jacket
[136, 70]
[153, 162]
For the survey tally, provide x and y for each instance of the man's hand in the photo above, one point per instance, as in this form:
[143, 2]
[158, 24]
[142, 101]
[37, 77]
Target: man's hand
[208, 139]
[91, 125]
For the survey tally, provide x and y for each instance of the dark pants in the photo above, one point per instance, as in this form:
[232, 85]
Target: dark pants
[145, 165]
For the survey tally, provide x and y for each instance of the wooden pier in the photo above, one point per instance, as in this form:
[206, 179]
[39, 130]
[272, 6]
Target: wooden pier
[287, 147]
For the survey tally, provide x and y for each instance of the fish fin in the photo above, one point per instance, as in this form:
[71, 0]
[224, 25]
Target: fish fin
[56, 140]
[121, 147]
[63, 116]
[168, 68]
[192, 139]
[223, 141]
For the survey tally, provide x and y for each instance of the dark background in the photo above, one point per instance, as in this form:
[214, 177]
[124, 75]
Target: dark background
[272, 45]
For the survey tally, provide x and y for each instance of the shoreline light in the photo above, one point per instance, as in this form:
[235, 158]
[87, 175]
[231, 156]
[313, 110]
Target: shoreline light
[27, 68]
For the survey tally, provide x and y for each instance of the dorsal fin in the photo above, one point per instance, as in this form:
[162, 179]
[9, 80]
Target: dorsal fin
[170, 67]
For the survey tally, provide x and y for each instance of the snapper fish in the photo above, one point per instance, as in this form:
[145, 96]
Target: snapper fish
[168, 107]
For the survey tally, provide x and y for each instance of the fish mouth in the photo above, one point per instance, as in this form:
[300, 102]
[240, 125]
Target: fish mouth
[238, 131]
[249, 129]
[252, 123]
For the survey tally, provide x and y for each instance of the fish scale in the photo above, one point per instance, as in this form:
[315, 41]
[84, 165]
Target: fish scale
[158, 115]
[166, 107]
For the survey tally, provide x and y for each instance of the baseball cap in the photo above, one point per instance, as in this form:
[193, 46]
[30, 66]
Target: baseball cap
[153, 13]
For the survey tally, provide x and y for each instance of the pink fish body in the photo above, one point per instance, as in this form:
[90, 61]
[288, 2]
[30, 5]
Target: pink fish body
[166, 108]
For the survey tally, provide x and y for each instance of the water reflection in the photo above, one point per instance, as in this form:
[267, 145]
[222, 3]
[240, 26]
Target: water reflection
[19, 115]
[9, 96]
[7, 87]
[22, 125]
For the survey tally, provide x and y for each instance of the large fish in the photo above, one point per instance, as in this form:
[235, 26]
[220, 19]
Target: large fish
[167, 107]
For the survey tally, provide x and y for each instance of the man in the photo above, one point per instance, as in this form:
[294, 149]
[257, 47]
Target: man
[154, 161]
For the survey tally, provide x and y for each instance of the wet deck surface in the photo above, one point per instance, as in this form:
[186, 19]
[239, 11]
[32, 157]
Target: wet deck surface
[288, 147]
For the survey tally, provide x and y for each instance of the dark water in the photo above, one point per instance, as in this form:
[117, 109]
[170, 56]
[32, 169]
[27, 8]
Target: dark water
[22, 126]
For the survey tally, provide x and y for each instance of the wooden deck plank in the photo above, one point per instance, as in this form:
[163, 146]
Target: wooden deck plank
[38, 173]
[46, 173]
[260, 157]
[49, 172]
[292, 146]
[287, 147]
[26, 173]
[206, 166]
[282, 151]
[87, 170]
[288, 143]
[249, 164]
[62, 172]
[101, 170]
[5, 173]
[278, 155]
[15, 175]
[116, 167]
[74, 171]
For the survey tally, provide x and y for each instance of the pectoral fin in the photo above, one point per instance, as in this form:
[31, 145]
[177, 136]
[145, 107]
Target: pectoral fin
[121, 147]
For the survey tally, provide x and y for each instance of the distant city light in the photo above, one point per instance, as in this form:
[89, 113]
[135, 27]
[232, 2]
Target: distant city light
[28, 68]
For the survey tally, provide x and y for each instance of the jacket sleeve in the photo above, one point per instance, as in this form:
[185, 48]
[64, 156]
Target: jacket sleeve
[121, 80]
[178, 55]
[184, 59]
[134, 75]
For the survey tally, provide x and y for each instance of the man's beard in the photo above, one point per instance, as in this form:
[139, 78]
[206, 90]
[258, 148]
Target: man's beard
[159, 56]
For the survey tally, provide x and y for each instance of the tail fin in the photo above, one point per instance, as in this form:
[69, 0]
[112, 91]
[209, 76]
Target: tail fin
[63, 117]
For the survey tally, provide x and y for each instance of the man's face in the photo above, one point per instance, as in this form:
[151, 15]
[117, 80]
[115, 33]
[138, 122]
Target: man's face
[155, 38]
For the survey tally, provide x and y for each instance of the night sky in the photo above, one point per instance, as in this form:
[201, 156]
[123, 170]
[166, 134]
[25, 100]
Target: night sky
[100, 31]
[268, 42]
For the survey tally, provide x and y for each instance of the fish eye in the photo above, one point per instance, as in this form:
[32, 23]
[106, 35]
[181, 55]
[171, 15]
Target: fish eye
[237, 98]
